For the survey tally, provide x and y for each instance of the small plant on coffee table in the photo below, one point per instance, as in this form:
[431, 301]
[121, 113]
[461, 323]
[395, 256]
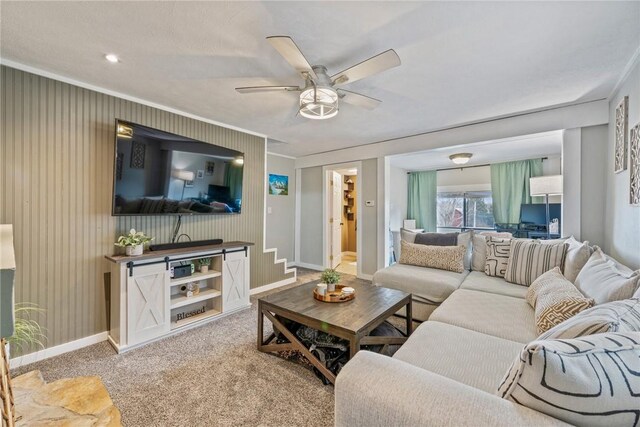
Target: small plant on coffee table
[204, 264]
[330, 277]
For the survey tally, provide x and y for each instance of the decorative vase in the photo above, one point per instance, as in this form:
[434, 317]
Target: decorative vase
[134, 250]
[204, 268]
[331, 287]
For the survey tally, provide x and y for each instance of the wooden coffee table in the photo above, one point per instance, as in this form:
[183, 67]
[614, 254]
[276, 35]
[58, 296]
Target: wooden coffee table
[352, 320]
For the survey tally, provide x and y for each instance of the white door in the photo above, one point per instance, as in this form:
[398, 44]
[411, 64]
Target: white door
[336, 220]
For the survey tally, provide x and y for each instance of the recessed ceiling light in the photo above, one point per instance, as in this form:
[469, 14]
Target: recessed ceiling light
[112, 57]
[460, 158]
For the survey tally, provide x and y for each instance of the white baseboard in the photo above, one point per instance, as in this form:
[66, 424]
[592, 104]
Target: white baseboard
[306, 265]
[351, 253]
[271, 286]
[366, 276]
[57, 350]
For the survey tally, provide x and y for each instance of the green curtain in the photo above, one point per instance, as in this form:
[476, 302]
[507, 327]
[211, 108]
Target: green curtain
[510, 188]
[423, 199]
[233, 180]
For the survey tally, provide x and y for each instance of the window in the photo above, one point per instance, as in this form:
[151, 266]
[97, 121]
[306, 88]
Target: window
[473, 209]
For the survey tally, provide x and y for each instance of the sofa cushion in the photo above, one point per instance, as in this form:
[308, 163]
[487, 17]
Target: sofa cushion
[583, 382]
[452, 352]
[431, 284]
[498, 251]
[604, 279]
[498, 315]
[616, 316]
[555, 300]
[529, 259]
[443, 257]
[478, 281]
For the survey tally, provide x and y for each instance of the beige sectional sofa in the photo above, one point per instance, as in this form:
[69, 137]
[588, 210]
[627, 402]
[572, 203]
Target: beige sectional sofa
[449, 370]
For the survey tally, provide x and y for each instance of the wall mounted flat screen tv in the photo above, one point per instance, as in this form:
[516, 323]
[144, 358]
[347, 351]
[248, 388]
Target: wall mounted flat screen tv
[160, 173]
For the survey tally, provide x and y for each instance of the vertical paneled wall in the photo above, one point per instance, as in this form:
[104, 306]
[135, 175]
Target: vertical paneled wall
[57, 153]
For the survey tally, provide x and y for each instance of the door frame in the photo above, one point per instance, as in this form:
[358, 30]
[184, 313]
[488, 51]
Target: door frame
[326, 214]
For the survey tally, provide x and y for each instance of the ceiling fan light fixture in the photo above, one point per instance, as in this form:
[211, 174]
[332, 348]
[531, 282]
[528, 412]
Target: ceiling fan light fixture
[319, 102]
[460, 158]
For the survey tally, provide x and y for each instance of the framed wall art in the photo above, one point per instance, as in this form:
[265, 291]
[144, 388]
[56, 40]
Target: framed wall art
[622, 126]
[634, 166]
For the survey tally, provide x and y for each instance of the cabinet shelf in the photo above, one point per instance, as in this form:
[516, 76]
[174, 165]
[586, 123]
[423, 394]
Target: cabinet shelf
[193, 319]
[182, 300]
[195, 277]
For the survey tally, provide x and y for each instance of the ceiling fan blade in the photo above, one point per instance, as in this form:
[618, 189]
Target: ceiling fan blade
[358, 99]
[369, 67]
[254, 89]
[290, 51]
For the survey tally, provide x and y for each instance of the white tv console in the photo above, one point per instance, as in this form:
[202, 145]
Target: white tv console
[148, 304]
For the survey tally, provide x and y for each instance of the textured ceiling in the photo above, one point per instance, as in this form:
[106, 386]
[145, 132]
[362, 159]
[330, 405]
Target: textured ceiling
[461, 62]
[486, 152]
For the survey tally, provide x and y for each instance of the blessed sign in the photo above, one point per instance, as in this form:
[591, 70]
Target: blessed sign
[187, 314]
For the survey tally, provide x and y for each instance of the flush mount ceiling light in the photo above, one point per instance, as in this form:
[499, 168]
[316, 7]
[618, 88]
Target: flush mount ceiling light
[112, 57]
[460, 158]
[318, 102]
[239, 160]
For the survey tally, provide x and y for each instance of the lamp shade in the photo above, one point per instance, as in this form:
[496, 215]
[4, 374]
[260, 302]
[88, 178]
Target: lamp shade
[7, 271]
[545, 185]
[183, 175]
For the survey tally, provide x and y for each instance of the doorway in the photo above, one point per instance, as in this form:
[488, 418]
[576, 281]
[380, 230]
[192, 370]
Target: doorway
[341, 218]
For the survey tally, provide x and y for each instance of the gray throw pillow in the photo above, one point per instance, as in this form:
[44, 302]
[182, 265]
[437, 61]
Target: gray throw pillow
[437, 239]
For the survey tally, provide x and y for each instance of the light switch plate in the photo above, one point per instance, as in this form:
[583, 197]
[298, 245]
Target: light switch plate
[269, 210]
[370, 203]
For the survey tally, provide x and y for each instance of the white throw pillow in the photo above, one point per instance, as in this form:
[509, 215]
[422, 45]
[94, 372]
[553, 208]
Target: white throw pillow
[604, 279]
[615, 316]
[479, 251]
[592, 382]
[577, 256]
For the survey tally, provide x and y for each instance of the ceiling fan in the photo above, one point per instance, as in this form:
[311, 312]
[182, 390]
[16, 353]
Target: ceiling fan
[320, 95]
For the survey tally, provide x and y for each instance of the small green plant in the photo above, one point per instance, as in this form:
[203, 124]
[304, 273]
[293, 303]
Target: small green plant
[330, 276]
[204, 261]
[27, 331]
[134, 238]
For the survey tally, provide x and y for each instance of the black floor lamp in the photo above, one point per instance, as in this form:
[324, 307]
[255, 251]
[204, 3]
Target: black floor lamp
[546, 186]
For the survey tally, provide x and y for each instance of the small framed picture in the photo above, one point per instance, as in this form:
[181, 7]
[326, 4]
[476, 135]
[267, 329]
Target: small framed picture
[188, 184]
[200, 174]
[209, 168]
[622, 125]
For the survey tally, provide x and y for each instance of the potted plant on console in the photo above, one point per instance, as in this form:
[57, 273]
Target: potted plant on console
[134, 242]
[204, 264]
[330, 277]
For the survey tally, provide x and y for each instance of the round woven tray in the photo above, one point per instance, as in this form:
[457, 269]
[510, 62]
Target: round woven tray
[335, 296]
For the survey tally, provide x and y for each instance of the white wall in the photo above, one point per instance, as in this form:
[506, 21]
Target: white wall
[280, 215]
[310, 217]
[398, 192]
[622, 221]
[593, 184]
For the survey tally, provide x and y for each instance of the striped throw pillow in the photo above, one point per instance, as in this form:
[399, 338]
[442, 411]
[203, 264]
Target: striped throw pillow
[555, 299]
[616, 316]
[528, 260]
[582, 382]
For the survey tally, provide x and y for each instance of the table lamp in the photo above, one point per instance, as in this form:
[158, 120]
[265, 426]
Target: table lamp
[546, 186]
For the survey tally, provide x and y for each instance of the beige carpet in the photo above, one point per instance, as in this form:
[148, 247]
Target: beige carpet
[212, 375]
